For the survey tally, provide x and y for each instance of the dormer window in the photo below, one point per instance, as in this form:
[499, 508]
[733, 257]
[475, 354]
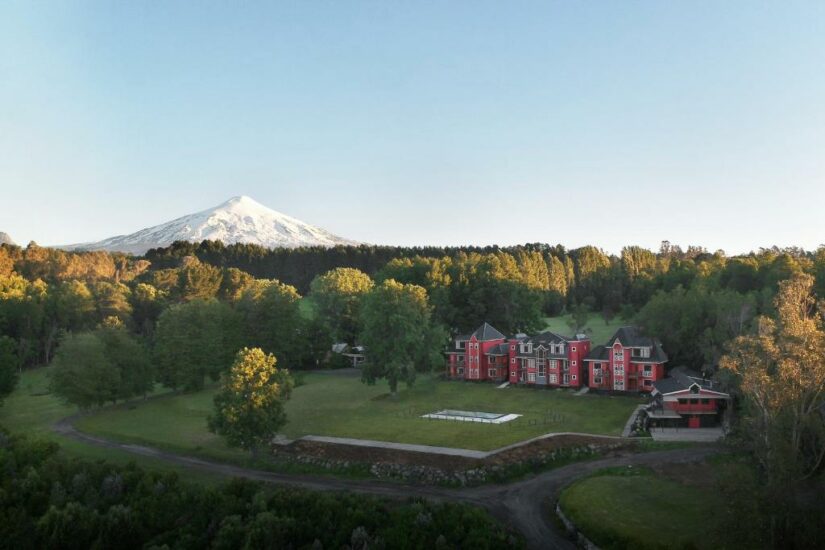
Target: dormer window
[459, 344]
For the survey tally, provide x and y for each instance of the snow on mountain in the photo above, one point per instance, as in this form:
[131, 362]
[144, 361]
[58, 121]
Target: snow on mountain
[238, 220]
[5, 238]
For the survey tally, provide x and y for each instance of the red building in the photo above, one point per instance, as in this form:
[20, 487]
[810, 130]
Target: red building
[477, 356]
[546, 359]
[628, 361]
[686, 399]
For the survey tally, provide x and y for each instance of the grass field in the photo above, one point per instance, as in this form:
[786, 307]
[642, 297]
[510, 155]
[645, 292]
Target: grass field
[644, 510]
[32, 410]
[600, 331]
[336, 405]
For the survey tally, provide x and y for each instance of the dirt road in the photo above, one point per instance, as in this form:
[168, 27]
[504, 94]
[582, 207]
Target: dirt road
[526, 505]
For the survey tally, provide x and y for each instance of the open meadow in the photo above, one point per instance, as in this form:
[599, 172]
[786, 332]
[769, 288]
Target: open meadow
[341, 405]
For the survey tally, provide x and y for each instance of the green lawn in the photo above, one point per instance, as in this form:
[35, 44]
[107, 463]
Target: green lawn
[600, 331]
[32, 410]
[644, 510]
[342, 406]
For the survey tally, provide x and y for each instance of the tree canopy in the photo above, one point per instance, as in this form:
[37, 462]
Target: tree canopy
[249, 407]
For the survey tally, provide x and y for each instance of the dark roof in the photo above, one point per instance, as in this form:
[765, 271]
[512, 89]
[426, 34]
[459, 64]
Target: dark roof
[500, 349]
[487, 332]
[631, 337]
[597, 353]
[679, 381]
[548, 337]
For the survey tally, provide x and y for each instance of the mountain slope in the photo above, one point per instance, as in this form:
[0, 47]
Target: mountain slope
[238, 220]
[5, 238]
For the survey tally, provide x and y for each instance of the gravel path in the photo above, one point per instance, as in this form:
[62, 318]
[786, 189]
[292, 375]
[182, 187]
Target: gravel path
[526, 505]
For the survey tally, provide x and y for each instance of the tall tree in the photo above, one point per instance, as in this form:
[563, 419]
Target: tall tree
[272, 320]
[82, 375]
[8, 366]
[131, 360]
[195, 340]
[781, 374]
[199, 280]
[249, 407]
[337, 295]
[399, 334]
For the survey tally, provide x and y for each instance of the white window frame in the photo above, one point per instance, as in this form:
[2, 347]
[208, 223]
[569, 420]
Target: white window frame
[554, 378]
[573, 378]
[492, 373]
[531, 376]
[565, 379]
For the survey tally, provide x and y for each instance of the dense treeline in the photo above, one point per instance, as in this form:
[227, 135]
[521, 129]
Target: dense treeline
[48, 501]
[694, 301]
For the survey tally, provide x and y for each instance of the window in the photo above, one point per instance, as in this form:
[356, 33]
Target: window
[574, 378]
[460, 344]
[554, 364]
[531, 377]
[491, 360]
[694, 401]
[645, 352]
[492, 373]
[554, 378]
[648, 371]
[565, 379]
[597, 380]
[542, 371]
[573, 348]
[574, 362]
[460, 370]
[513, 360]
[597, 371]
[705, 401]
[648, 383]
[618, 355]
[683, 401]
[618, 370]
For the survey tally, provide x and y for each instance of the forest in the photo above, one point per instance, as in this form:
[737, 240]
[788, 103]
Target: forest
[114, 326]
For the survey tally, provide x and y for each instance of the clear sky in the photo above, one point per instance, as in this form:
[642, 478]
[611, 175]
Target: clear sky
[442, 122]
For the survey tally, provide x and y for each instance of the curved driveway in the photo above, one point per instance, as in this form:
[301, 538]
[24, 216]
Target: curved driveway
[525, 505]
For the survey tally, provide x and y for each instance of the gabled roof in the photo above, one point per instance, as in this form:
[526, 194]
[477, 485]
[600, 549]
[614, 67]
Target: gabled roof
[631, 337]
[680, 381]
[597, 353]
[487, 332]
[548, 337]
[500, 349]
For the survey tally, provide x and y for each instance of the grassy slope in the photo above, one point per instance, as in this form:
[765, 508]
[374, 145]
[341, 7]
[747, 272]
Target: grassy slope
[600, 331]
[31, 410]
[343, 406]
[642, 511]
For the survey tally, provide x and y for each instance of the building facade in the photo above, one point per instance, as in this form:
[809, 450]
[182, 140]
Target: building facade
[546, 359]
[628, 361]
[685, 399]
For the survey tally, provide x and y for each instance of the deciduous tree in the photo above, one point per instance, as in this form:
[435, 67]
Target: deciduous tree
[399, 334]
[249, 408]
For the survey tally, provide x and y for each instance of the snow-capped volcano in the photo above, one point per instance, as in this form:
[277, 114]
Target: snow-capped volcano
[238, 220]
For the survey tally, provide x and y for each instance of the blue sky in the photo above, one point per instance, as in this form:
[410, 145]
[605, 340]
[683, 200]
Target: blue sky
[605, 123]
